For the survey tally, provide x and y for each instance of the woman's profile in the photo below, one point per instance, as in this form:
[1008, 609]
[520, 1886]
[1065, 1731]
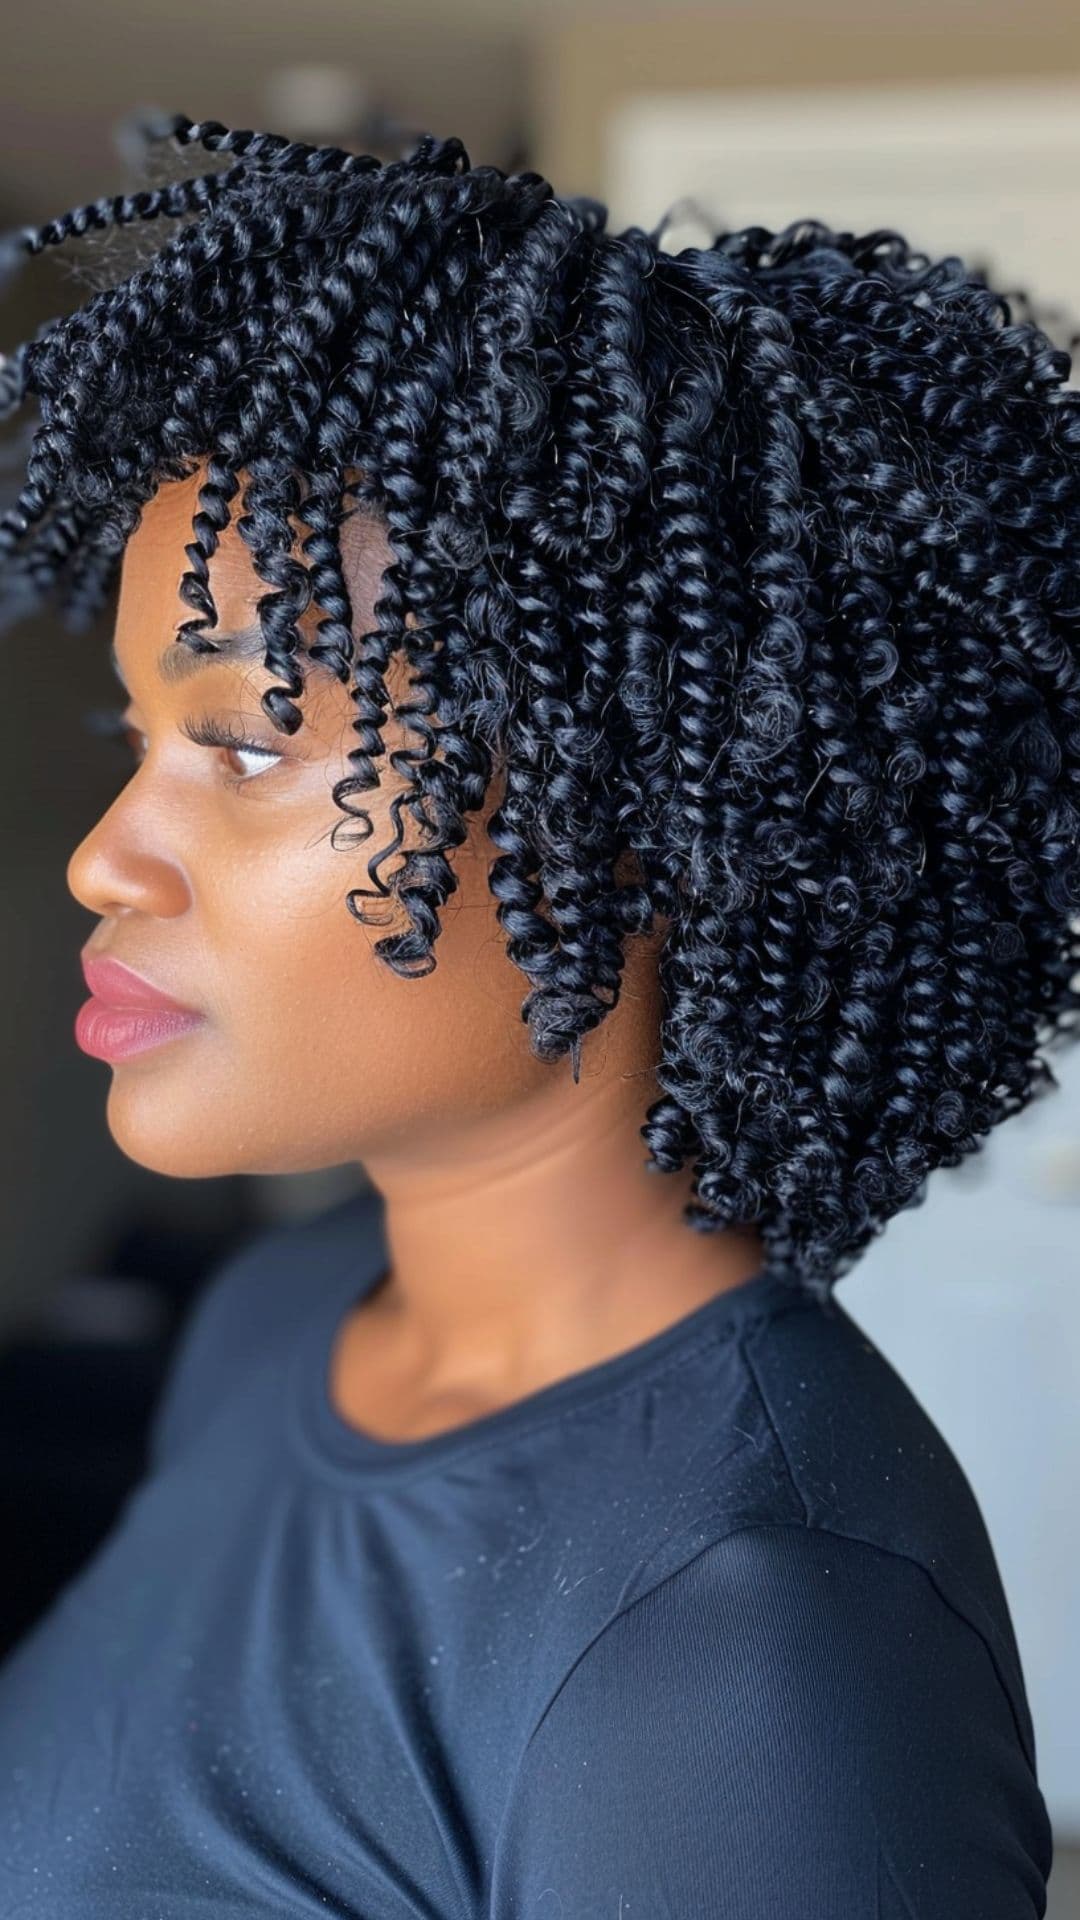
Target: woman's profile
[604, 739]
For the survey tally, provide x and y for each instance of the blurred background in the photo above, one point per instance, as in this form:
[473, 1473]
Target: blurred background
[961, 128]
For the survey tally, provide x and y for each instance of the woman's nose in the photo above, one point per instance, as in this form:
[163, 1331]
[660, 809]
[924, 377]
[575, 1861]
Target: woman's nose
[126, 862]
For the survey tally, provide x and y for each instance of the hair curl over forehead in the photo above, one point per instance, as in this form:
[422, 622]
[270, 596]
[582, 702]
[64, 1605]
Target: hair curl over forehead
[754, 566]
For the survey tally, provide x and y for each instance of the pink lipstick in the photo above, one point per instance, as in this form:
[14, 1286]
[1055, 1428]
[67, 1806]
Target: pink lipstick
[126, 1013]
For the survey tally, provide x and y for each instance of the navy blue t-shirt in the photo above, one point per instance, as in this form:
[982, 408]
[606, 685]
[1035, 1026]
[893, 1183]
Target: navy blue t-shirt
[711, 1630]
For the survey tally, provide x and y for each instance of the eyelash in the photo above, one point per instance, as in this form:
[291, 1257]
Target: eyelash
[111, 723]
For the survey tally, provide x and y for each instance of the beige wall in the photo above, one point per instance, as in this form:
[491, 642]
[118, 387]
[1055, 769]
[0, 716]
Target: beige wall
[498, 72]
[582, 65]
[70, 70]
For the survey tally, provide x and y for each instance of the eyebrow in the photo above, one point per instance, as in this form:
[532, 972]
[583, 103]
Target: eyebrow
[180, 662]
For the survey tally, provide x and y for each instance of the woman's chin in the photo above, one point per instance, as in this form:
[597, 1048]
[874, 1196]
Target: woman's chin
[183, 1133]
[201, 1140]
[162, 1144]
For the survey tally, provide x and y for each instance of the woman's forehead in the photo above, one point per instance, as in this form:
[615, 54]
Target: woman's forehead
[156, 559]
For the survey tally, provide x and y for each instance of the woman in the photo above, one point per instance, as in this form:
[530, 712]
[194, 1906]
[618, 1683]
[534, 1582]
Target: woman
[533, 1534]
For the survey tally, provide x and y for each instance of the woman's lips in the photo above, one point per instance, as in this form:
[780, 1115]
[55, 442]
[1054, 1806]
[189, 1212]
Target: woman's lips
[126, 1013]
[111, 981]
[112, 1033]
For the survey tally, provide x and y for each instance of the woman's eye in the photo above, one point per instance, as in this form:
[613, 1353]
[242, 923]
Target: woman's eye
[207, 733]
[204, 733]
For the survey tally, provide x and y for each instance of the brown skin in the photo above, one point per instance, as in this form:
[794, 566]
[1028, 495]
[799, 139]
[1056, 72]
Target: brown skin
[527, 1241]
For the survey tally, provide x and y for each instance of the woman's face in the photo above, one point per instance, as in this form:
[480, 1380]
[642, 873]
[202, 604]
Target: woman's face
[212, 873]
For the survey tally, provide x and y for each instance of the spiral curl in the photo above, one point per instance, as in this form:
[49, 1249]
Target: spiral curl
[753, 567]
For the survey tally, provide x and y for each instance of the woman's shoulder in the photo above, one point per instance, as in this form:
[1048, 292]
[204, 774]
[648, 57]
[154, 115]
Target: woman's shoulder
[862, 1458]
[811, 1699]
[795, 1721]
[833, 1453]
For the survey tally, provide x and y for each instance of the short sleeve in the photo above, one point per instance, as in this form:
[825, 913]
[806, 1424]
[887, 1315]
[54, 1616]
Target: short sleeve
[795, 1725]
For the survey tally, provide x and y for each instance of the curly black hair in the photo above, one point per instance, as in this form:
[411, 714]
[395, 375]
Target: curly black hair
[754, 567]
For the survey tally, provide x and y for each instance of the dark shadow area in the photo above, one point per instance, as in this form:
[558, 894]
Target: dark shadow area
[78, 1389]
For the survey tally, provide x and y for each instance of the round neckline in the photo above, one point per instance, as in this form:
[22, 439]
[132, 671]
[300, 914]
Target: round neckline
[333, 1443]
